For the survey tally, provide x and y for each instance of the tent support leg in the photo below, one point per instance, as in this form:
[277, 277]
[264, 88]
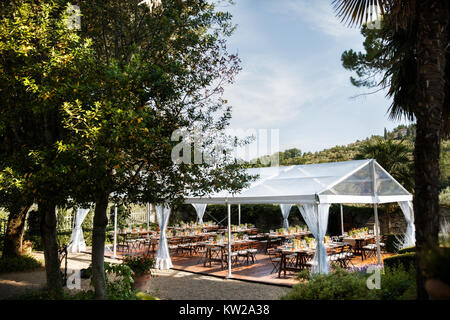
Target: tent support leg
[148, 215]
[115, 233]
[342, 220]
[239, 214]
[319, 253]
[229, 276]
[377, 235]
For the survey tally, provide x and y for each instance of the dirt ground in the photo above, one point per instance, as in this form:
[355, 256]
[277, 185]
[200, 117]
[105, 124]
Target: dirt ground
[167, 284]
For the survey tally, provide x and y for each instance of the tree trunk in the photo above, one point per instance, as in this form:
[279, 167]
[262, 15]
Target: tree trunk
[12, 245]
[98, 246]
[431, 42]
[50, 244]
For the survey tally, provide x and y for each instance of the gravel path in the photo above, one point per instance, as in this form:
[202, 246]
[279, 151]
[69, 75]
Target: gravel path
[180, 285]
[167, 284]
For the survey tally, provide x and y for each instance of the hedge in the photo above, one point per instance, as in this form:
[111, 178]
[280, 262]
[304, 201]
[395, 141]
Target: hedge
[406, 250]
[406, 260]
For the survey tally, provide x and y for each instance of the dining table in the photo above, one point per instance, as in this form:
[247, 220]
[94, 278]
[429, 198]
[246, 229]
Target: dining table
[215, 250]
[302, 254]
[358, 243]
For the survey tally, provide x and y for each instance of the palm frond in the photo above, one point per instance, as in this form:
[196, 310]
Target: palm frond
[358, 12]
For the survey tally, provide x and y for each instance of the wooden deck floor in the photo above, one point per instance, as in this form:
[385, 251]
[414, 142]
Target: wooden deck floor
[260, 271]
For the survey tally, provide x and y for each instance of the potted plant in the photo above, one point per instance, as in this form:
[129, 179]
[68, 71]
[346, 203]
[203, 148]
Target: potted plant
[141, 265]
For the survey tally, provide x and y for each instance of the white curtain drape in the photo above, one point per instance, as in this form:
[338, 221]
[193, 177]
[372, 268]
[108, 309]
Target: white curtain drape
[200, 209]
[316, 218]
[163, 261]
[410, 234]
[77, 242]
[285, 209]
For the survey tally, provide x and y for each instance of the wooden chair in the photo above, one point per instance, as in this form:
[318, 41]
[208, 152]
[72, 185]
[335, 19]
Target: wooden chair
[252, 250]
[369, 250]
[347, 252]
[303, 258]
[275, 259]
[242, 252]
[234, 257]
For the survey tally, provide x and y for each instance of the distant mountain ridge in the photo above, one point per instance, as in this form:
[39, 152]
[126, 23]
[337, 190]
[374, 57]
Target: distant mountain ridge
[339, 153]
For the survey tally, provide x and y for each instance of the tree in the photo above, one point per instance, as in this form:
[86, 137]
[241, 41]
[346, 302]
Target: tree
[427, 22]
[159, 71]
[393, 156]
[15, 198]
[42, 65]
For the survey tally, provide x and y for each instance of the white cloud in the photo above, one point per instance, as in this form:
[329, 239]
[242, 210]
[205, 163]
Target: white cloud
[272, 92]
[266, 94]
[318, 14]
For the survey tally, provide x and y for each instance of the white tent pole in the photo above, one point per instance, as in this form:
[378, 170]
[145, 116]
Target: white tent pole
[148, 215]
[229, 241]
[375, 209]
[319, 264]
[239, 214]
[115, 232]
[342, 220]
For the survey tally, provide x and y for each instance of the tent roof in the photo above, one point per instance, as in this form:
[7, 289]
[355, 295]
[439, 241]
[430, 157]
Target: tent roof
[335, 182]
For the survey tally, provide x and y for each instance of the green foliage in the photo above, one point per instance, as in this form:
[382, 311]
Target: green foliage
[62, 237]
[341, 284]
[405, 260]
[140, 264]
[119, 278]
[304, 274]
[264, 217]
[337, 285]
[444, 197]
[397, 283]
[406, 250]
[123, 213]
[394, 156]
[19, 264]
[436, 263]
[145, 296]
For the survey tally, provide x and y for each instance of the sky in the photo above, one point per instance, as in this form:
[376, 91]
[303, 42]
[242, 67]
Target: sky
[292, 78]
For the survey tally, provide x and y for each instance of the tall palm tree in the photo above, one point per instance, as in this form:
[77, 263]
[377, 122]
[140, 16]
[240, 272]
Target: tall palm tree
[394, 156]
[431, 42]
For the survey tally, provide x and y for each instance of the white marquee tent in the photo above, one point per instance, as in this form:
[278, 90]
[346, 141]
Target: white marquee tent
[313, 188]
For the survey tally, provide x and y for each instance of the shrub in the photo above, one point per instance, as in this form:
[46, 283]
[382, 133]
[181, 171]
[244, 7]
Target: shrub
[19, 264]
[406, 250]
[406, 260]
[337, 285]
[397, 283]
[118, 278]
